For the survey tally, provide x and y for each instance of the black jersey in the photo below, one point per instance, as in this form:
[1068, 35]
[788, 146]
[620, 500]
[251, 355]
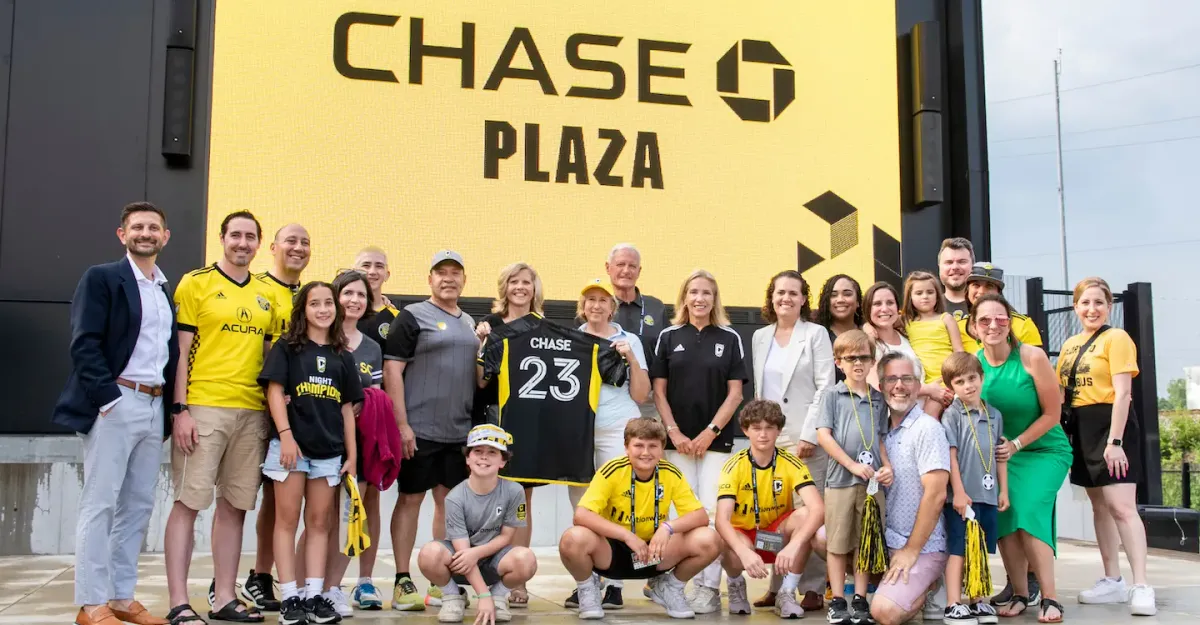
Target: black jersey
[548, 381]
[376, 326]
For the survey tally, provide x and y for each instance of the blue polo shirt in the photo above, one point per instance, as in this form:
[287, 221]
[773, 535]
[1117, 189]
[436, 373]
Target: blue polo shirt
[616, 405]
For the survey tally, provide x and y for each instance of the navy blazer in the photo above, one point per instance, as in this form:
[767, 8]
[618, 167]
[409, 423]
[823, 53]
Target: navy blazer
[106, 318]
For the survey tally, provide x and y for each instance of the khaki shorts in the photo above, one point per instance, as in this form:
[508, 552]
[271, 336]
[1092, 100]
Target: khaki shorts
[843, 517]
[229, 457]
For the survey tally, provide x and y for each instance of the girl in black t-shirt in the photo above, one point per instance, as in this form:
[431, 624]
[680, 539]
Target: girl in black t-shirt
[312, 383]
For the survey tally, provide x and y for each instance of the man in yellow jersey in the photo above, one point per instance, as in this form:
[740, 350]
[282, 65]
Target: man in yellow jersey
[622, 531]
[226, 320]
[373, 262]
[291, 250]
[987, 278]
[755, 513]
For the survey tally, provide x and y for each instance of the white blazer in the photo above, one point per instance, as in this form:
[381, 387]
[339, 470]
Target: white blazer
[811, 364]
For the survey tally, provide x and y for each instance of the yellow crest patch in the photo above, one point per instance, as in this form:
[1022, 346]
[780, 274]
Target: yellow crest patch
[520, 512]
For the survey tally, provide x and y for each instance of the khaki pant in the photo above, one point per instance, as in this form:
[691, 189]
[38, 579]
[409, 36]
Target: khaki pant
[228, 458]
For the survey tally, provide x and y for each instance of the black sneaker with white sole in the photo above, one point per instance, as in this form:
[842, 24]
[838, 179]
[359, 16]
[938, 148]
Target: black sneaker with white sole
[291, 612]
[259, 591]
[1035, 590]
[984, 613]
[839, 612]
[319, 609]
[860, 611]
[612, 599]
[959, 614]
[572, 602]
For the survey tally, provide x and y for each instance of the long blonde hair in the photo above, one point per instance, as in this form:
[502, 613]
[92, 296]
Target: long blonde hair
[682, 316]
[500, 304]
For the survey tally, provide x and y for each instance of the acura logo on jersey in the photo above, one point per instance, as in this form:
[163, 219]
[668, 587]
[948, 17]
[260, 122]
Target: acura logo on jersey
[320, 364]
[719, 349]
[243, 314]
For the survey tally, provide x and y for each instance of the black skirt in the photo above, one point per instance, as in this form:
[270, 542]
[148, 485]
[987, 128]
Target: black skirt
[1092, 424]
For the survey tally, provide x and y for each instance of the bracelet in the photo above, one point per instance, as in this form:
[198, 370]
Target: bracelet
[484, 595]
[1017, 444]
[284, 430]
[670, 529]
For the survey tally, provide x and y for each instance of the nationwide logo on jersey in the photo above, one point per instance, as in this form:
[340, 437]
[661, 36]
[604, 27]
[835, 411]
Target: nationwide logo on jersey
[244, 315]
[520, 512]
[263, 303]
[320, 364]
[719, 349]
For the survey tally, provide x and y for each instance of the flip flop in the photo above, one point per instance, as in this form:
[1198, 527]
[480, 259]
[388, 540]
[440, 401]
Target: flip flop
[1046, 605]
[1016, 600]
[518, 598]
[177, 616]
[231, 613]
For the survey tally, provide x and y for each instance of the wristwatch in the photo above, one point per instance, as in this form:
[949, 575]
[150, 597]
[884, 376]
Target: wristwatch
[177, 408]
[1116, 442]
[716, 429]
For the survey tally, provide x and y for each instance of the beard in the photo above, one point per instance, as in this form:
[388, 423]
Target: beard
[132, 246]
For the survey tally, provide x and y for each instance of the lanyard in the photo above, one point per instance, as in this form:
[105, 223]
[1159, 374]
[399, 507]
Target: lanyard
[861, 433]
[987, 467]
[633, 500]
[642, 316]
[754, 484]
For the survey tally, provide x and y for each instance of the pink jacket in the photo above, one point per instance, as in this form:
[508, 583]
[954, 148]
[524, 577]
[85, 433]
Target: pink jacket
[381, 448]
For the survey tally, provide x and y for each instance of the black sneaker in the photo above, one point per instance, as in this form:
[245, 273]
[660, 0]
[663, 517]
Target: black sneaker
[291, 612]
[612, 599]
[839, 612]
[259, 591]
[1035, 590]
[319, 609]
[959, 614]
[860, 611]
[573, 600]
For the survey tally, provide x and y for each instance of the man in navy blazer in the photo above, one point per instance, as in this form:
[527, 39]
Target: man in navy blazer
[124, 350]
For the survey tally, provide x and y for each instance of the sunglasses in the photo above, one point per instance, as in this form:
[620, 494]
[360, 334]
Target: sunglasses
[857, 359]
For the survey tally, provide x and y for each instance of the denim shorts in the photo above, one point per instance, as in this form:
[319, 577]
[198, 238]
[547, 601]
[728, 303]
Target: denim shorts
[329, 468]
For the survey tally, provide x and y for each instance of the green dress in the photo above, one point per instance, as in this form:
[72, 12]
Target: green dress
[1037, 471]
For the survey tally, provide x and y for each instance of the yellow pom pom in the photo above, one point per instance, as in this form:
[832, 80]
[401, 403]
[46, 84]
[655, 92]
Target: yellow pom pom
[977, 577]
[872, 546]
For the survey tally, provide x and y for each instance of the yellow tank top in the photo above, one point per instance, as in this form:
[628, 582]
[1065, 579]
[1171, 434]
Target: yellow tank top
[931, 341]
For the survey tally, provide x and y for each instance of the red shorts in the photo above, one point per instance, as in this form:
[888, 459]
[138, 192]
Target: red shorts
[767, 556]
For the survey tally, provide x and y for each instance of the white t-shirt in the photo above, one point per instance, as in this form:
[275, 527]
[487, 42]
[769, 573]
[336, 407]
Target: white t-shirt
[616, 405]
[773, 371]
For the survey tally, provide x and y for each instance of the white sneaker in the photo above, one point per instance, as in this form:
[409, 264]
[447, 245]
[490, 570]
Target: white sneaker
[738, 602]
[589, 600]
[1106, 590]
[935, 603]
[503, 614]
[704, 600]
[1141, 601]
[341, 604]
[668, 592]
[786, 605]
[453, 608]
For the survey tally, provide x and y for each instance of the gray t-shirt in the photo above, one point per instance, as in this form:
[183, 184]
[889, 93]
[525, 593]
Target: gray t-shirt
[369, 360]
[481, 517]
[958, 422]
[439, 379]
[843, 412]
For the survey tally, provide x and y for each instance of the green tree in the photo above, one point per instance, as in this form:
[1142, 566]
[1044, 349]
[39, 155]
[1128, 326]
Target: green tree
[1182, 437]
[1177, 394]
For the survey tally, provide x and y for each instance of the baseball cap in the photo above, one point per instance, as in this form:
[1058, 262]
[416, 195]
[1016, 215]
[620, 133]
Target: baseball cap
[488, 435]
[597, 283]
[444, 256]
[987, 272]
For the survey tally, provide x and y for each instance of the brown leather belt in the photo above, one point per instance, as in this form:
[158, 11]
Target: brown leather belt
[153, 391]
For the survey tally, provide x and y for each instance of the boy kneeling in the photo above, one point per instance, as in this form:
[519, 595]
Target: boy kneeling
[621, 529]
[482, 515]
[755, 516]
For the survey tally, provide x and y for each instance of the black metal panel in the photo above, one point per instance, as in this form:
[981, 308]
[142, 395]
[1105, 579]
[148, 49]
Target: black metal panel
[1139, 323]
[36, 340]
[78, 103]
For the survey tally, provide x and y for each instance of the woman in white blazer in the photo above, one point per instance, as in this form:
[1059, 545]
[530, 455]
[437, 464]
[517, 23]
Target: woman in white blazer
[793, 365]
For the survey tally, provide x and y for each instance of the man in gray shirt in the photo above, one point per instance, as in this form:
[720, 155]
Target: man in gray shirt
[429, 373]
[482, 516]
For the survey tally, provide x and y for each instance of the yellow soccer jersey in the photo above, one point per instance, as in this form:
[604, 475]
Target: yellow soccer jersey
[608, 495]
[281, 297]
[1024, 327]
[775, 487]
[231, 321]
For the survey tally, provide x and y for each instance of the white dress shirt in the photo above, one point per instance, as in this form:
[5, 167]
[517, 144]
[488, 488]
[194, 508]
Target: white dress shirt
[150, 352]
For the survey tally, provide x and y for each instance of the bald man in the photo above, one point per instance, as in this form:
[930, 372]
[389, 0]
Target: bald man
[290, 251]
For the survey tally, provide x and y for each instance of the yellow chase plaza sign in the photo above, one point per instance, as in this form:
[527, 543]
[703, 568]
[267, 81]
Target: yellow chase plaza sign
[743, 138]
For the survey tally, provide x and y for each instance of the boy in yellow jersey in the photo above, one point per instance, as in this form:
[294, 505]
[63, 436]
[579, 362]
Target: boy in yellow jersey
[226, 321]
[622, 531]
[755, 514]
[987, 278]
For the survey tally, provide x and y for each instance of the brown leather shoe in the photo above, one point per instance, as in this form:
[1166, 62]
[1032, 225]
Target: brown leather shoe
[139, 615]
[100, 616]
[812, 602]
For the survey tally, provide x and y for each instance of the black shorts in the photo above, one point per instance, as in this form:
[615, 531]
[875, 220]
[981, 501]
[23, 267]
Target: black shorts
[621, 566]
[1088, 468]
[434, 464]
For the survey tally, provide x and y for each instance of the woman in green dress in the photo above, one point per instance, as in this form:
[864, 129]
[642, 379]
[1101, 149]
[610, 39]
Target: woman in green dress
[1019, 381]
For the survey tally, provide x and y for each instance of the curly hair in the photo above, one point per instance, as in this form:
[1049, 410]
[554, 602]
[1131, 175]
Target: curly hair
[823, 315]
[768, 307]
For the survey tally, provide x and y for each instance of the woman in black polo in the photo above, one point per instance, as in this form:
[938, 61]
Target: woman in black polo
[698, 372]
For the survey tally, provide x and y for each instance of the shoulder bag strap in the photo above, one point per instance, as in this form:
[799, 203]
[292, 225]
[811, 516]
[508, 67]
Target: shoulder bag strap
[1069, 393]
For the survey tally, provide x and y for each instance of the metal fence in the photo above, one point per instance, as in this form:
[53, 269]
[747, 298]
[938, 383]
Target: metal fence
[1178, 486]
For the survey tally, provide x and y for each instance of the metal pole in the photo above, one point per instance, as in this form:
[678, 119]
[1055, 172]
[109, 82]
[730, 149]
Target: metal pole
[1062, 201]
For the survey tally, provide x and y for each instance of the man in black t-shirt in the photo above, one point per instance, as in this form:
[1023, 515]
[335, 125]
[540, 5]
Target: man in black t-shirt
[373, 262]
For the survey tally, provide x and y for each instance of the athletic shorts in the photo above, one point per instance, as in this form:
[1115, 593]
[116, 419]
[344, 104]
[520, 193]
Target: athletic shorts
[767, 556]
[226, 461]
[956, 528]
[489, 567]
[1088, 468]
[621, 566]
[434, 464]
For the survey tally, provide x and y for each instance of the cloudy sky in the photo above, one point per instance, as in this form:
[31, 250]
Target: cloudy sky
[1132, 214]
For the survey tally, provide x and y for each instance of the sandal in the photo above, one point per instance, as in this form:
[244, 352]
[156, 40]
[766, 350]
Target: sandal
[1046, 605]
[231, 613]
[1017, 600]
[518, 598]
[177, 616]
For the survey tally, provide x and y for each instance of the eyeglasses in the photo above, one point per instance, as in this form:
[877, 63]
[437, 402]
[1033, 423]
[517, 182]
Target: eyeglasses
[857, 359]
[891, 380]
[999, 322]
